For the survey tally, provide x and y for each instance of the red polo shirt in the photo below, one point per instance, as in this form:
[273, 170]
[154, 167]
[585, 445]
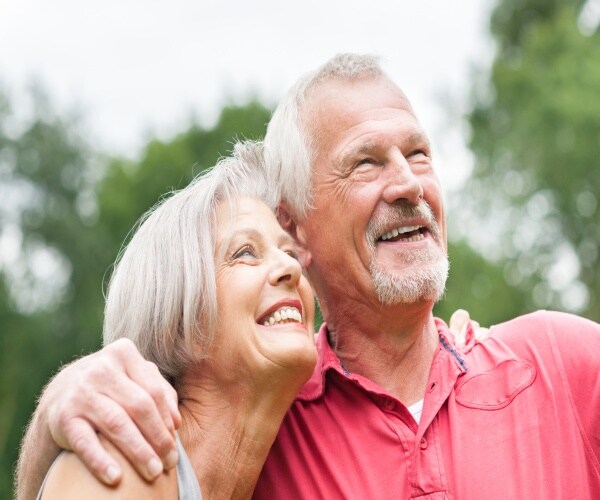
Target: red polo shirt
[514, 417]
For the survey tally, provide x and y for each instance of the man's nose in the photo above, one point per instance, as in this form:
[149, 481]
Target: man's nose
[402, 183]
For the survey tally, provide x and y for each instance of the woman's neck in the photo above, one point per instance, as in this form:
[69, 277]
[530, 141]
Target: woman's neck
[227, 433]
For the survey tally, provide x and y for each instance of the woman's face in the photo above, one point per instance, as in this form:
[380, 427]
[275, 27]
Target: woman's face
[265, 304]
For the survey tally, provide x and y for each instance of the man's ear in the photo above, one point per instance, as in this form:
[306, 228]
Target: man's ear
[296, 231]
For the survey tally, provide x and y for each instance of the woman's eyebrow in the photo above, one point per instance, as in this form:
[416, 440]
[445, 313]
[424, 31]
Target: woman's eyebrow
[244, 233]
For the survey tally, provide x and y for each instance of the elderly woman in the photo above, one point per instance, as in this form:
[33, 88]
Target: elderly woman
[209, 289]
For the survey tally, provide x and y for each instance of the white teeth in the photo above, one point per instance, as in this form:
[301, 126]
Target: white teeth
[401, 230]
[282, 315]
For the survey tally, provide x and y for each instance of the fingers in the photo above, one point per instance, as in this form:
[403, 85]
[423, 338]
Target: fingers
[458, 326]
[142, 424]
[459, 320]
[465, 329]
[116, 424]
[119, 394]
[115, 411]
[152, 404]
[481, 333]
[86, 445]
[148, 377]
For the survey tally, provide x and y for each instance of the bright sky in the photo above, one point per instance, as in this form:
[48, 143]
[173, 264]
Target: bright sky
[137, 67]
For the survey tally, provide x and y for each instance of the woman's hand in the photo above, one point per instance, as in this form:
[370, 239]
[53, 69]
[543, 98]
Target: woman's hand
[463, 327]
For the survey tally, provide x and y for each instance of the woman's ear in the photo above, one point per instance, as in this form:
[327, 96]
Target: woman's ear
[296, 231]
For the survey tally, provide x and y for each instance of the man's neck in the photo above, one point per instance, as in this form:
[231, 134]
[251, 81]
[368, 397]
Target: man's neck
[394, 348]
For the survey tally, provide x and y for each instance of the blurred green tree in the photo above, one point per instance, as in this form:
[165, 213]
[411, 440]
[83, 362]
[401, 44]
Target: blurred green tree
[535, 125]
[477, 285]
[44, 168]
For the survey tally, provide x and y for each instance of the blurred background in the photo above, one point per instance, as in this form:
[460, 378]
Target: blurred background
[105, 106]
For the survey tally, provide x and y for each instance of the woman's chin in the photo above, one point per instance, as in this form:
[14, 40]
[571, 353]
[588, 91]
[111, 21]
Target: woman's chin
[289, 346]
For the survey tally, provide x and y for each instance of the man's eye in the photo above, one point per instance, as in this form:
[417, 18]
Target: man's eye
[418, 153]
[365, 161]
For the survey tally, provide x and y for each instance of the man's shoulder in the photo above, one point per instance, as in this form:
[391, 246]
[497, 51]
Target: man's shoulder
[541, 324]
[545, 335]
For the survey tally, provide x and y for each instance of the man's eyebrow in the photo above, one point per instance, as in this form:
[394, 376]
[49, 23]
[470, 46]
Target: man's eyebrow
[364, 148]
[418, 138]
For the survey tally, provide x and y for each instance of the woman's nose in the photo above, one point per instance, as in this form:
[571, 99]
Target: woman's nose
[286, 269]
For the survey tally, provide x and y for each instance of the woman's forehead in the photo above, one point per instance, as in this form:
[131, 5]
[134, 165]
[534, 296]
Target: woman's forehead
[249, 216]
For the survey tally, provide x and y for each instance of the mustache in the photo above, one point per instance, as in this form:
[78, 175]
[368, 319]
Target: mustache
[396, 215]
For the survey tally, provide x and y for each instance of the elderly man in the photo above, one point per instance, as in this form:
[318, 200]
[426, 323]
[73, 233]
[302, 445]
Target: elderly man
[393, 410]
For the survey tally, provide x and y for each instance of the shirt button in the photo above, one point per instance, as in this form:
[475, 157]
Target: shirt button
[389, 404]
[423, 443]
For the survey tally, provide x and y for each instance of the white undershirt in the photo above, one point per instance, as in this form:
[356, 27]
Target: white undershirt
[416, 410]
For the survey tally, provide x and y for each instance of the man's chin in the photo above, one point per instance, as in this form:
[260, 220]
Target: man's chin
[425, 284]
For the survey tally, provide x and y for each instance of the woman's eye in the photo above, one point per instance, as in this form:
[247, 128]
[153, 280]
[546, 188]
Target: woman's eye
[244, 253]
[293, 254]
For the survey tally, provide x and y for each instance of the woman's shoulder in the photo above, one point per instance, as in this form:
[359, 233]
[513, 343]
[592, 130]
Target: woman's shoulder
[70, 479]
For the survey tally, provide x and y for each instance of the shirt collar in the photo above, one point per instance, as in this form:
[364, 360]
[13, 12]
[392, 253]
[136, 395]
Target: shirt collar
[328, 360]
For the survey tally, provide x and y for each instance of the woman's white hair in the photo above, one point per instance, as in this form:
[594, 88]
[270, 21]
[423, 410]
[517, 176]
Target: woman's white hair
[288, 141]
[162, 293]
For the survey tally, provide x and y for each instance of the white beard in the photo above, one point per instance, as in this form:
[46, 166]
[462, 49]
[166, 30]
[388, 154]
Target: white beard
[428, 280]
[426, 283]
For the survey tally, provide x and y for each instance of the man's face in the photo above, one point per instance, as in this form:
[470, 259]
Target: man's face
[377, 228]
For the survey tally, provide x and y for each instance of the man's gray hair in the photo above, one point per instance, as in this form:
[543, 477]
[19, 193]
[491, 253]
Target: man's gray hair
[162, 293]
[289, 140]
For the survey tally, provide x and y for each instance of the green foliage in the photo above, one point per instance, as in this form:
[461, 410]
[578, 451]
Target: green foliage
[477, 285]
[45, 167]
[512, 20]
[536, 135]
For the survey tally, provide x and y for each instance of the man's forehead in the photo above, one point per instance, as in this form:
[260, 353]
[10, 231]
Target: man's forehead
[366, 89]
[361, 115]
[339, 102]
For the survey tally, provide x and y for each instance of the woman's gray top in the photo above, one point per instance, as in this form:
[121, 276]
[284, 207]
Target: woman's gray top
[187, 483]
[189, 489]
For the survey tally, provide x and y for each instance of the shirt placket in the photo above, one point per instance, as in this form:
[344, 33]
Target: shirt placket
[427, 475]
